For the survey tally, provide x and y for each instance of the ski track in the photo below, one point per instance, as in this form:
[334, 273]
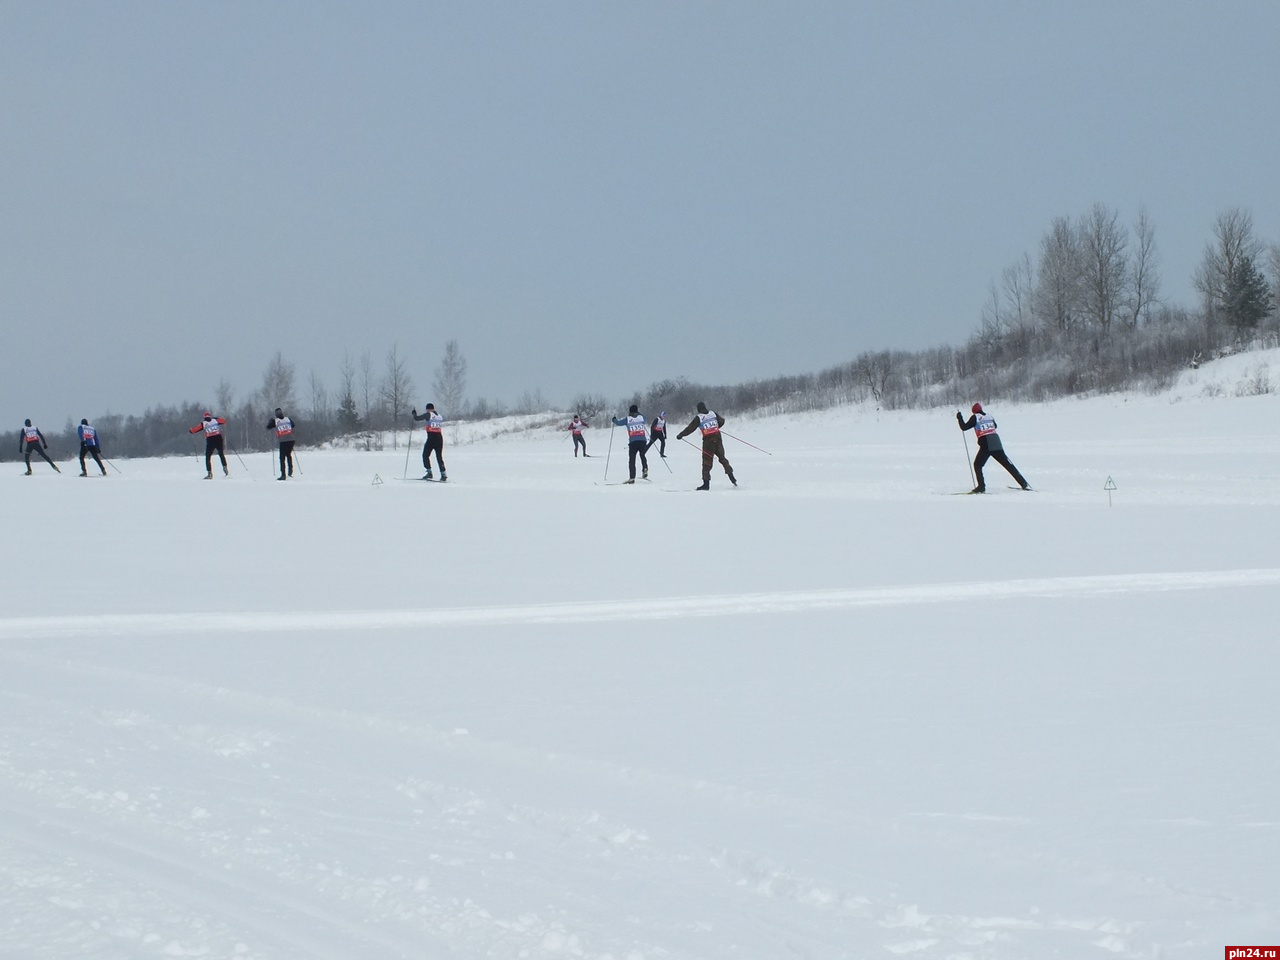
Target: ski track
[229, 894]
[667, 608]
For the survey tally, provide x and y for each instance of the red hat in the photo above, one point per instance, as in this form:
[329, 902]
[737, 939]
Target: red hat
[976, 408]
[208, 415]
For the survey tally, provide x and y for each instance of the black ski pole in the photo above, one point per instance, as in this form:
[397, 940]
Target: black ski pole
[113, 466]
[243, 464]
[965, 437]
[740, 440]
[705, 454]
[407, 448]
[663, 458]
[609, 453]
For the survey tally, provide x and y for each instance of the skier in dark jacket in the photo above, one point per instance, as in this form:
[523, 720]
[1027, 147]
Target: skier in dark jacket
[283, 426]
[90, 446]
[709, 422]
[989, 446]
[636, 442]
[658, 434]
[434, 441]
[31, 440]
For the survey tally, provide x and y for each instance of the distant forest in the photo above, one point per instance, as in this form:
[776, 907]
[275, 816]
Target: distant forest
[1081, 314]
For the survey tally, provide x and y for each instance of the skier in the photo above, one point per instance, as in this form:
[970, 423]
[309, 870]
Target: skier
[283, 426]
[636, 445]
[435, 440]
[212, 427]
[576, 426]
[89, 446]
[989, 446]
[658, 434]
[31, 440]
[709, 422]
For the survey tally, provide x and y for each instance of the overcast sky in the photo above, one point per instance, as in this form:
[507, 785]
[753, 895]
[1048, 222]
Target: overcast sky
[587, 196]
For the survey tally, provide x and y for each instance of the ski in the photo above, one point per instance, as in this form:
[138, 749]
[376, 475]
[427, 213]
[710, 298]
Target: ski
[1022, 489]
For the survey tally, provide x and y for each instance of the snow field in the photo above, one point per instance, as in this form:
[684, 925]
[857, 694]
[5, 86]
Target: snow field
[832, 713]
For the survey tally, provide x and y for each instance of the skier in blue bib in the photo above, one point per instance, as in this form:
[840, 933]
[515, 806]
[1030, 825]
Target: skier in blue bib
[637, 441]
[989, 446]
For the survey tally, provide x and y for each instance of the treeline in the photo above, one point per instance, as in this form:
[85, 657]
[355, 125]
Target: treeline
[1084, 313]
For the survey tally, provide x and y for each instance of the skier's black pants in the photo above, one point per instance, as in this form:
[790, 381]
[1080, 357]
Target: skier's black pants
[86, 450]
[633, 449]
[579, 441]
[35, 447]
[999, 457]
[435, 441]
[210, 445]
[712, 450]
[286, 456]
[660, 438]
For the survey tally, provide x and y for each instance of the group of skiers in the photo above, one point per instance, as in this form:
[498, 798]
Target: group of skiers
[214, 442]
[31, 440]
[642, 435]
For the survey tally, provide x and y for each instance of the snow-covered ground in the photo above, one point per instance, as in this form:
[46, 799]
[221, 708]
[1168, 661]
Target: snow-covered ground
[833, 713]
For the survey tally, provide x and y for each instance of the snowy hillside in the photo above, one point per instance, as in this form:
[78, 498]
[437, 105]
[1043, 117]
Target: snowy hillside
[835, 712]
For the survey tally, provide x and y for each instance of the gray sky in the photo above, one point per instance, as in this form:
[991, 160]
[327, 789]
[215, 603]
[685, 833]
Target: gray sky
[588, 196]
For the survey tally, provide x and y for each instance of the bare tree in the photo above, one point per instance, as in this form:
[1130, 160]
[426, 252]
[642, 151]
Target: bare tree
[530, 401]
[1143, 286]
[319, 399]
[1058, 292]
[875, 370]
[225, 397]
[395, 388]
[589, 405]
[992, 317]
[1104, 265]
[450, 380]
[368, 391]
[1019, 284]
[278, 384]
[1233, 241]
[1273, 256]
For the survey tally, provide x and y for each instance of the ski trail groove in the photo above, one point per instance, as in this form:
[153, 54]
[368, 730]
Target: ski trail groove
[648, 609]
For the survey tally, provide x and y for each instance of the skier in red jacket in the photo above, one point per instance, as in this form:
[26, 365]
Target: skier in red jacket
[212, 427]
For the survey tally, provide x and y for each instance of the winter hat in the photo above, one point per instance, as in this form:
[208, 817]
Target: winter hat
[431, 406]
[279, 412]
[26, 423]
[976, 408]
[702, 407]
[208, 415]
[634, 409]
[84, 422]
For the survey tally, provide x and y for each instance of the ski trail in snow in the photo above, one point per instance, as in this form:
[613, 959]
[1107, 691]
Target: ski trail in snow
[648, 609]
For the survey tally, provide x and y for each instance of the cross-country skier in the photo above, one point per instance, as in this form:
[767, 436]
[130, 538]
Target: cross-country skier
[283, 426]
[576, 426]
[435, 440]
[709, 422]
[31, 440]
[212, 427]
[90, 445]
[636, 441]
[989, 446]
[658, 434]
